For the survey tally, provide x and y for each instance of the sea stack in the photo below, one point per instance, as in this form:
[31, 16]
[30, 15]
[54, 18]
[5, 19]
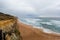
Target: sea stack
[8, 27]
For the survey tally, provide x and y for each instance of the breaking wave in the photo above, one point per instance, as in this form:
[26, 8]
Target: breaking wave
[48, 26]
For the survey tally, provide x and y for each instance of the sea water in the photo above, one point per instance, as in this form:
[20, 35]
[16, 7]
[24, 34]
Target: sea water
[48, 24]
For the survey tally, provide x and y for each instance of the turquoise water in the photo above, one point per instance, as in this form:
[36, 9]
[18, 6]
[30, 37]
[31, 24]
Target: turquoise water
[48, 23]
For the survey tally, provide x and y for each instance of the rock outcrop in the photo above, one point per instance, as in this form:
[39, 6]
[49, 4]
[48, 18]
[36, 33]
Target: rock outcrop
[8, 27]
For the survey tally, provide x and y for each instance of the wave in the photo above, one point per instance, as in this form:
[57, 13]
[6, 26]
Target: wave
[55, 22]
[48, 23]
[45, 30]
[48, 26]
[30, 21]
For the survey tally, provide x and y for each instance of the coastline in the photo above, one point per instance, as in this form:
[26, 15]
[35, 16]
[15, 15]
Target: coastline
[41, 28]
[28, 32]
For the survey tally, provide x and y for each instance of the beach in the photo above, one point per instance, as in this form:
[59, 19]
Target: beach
[29, 33]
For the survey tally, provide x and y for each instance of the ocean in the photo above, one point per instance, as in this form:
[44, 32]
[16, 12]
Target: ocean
[48, 23]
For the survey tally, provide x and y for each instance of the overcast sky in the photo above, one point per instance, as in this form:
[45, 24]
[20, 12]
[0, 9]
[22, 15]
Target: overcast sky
[31, 8]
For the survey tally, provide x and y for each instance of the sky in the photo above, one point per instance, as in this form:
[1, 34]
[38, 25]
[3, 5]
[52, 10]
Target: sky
[31, 8]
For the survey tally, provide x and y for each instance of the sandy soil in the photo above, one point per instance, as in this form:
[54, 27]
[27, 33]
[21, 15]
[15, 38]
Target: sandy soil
[30, 33]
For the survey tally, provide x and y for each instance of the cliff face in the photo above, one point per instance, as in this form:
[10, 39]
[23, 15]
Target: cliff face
[8, 26]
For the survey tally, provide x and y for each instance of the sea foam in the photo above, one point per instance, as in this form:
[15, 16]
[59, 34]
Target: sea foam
[35, 22]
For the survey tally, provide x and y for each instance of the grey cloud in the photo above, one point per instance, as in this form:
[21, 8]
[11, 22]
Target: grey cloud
[31, 7]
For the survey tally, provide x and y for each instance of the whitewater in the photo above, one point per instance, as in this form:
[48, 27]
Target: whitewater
[48, 26]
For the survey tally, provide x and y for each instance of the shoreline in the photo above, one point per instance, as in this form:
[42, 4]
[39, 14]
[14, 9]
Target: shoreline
[41, 28]
[30, 33]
